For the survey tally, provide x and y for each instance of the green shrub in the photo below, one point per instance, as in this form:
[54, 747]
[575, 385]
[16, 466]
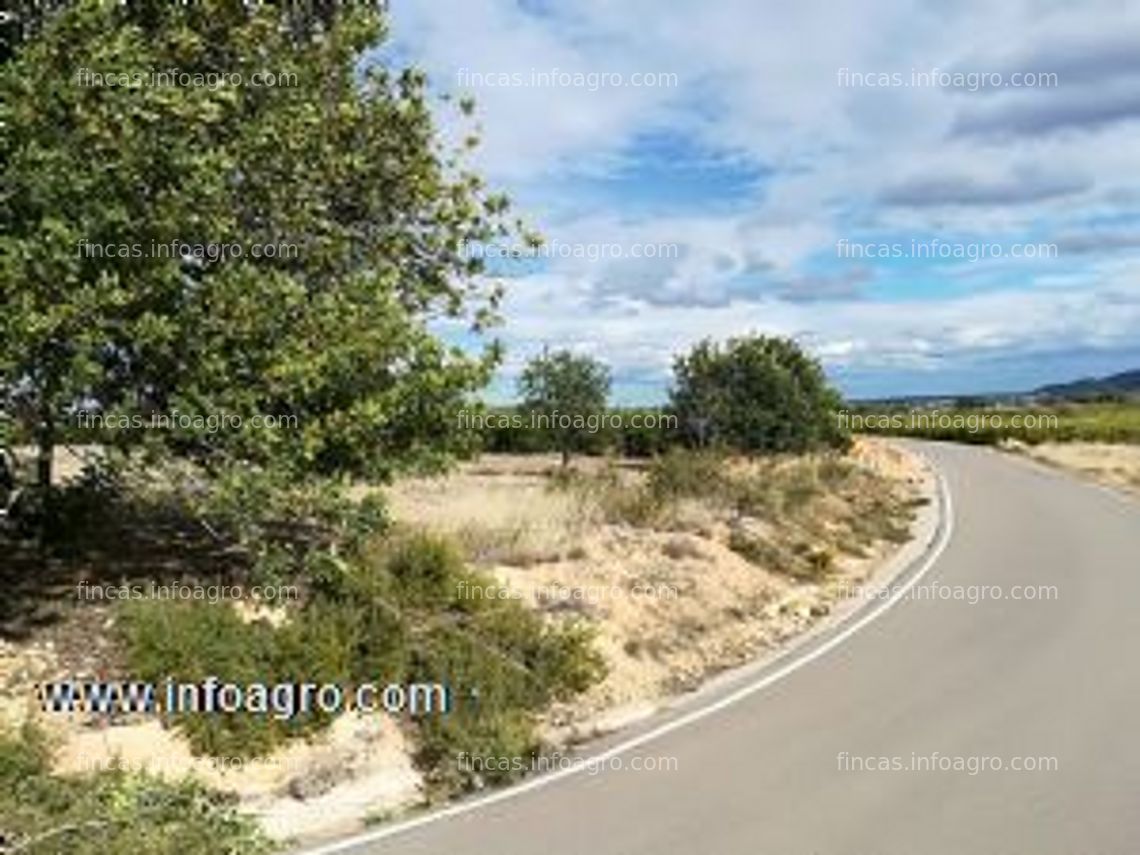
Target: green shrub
[799, 486]
[631, 504]
[192, 640]
[834, 471]
[397, 615]
[760, 552]
[112, 811]
[687, 474]
[804, 561]
[757, 497]
[505, 665]
[677, 474]
[465, 751]
[619, 501]
[425, 569]
[506, 668]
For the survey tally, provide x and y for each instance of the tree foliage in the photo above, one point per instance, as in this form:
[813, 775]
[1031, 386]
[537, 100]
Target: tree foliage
[755, 394]
[342, 166]
[337, 166]
[566, 391]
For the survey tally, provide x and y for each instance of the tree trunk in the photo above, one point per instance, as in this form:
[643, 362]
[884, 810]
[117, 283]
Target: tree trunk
[565, 457]
[46, 458]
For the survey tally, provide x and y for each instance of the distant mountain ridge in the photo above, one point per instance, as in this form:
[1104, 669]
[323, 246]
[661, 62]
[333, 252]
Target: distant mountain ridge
[1124, 383]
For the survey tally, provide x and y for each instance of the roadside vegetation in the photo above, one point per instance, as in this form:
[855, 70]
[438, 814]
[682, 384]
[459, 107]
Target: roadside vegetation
[682, 565]
[111, 811]
[396, 616]
[780, 496]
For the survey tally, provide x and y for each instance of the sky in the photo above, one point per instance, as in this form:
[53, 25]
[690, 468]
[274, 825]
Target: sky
[932, 197]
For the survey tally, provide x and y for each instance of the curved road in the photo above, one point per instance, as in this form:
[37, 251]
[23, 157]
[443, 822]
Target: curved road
[1056, 679]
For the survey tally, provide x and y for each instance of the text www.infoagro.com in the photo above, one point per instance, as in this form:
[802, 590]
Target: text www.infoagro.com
[281, 700]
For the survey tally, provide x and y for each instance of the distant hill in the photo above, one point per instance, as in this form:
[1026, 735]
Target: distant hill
[1125, 383]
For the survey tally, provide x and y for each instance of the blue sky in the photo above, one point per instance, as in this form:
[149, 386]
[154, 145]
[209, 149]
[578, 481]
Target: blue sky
[761, 167]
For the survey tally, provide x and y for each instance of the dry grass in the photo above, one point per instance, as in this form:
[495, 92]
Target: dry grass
[1115, 466]
[683, 573]
[501, 511]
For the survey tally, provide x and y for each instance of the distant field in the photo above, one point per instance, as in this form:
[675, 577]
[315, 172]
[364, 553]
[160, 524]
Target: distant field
[1113, 422]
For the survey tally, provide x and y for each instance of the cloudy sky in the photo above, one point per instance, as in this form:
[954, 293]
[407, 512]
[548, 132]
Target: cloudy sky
[932, 197]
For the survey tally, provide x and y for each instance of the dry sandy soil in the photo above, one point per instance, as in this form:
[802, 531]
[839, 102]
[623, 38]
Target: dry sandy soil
[1115, 466]
[672, 601]
[672, 604]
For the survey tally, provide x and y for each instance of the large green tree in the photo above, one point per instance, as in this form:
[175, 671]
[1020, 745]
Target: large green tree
[755, 394]
[566, 395]
[337, 166]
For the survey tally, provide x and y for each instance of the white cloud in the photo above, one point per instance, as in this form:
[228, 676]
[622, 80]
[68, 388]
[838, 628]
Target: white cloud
[760, 82]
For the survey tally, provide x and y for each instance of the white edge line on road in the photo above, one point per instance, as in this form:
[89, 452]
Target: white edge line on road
[946, 525]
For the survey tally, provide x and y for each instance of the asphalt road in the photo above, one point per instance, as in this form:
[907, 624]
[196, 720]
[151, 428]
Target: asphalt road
[1052, 682]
